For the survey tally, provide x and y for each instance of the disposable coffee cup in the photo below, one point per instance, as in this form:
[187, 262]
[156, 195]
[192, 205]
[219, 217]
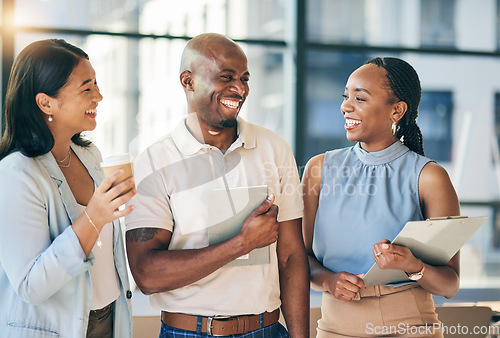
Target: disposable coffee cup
[112, 163]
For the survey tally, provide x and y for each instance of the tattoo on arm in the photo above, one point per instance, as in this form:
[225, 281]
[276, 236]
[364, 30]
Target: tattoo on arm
[141, 235]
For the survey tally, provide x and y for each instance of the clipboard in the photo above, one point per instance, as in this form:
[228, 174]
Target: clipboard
[435, 241]
[227, 209]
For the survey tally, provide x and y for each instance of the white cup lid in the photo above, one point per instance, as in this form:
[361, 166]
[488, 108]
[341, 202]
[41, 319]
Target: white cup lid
[116, 160]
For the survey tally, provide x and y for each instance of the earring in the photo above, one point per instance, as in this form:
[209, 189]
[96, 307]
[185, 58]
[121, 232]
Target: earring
[50, 119]
[394, 127]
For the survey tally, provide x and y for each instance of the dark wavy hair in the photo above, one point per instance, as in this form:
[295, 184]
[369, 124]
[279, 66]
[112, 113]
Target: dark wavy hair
[405, 85]
[42, 67]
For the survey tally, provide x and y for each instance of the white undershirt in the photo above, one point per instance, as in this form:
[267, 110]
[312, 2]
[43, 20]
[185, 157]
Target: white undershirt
[105, 286]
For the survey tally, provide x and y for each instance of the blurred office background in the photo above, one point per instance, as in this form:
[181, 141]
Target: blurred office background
[300, 55]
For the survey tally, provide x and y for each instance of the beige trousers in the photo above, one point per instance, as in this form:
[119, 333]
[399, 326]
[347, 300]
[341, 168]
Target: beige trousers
[381, 311]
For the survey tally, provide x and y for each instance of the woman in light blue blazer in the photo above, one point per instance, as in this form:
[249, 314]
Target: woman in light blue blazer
[62, 263]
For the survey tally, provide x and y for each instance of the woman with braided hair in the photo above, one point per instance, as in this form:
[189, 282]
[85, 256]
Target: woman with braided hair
[358, 197]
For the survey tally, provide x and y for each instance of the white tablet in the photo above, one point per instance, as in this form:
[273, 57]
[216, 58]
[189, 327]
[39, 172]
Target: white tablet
[227, 209]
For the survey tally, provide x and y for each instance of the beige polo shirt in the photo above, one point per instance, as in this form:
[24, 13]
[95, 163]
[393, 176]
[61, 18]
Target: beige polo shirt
[173, 177]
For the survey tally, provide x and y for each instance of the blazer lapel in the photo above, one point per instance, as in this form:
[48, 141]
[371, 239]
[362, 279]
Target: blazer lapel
[69, 201]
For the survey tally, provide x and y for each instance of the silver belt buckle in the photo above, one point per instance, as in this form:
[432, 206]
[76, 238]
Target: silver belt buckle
[210, 327]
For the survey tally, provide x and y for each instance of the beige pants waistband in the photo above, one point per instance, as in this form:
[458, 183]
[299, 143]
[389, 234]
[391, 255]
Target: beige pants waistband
[381, 290]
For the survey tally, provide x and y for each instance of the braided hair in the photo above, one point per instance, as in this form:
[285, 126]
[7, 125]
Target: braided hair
[405, 85]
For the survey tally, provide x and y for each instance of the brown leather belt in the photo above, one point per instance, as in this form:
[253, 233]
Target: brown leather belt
[382, 290]
[219, 325]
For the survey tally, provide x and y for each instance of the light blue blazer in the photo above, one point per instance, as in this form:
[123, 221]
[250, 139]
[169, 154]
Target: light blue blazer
[45, 287]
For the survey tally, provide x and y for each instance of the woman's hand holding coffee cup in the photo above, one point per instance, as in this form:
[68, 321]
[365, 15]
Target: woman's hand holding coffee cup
[111, 164]
[115, 190]
[108, 197]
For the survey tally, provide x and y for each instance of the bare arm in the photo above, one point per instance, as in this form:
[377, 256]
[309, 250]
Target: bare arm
[294, 278]
[103, 208]
[437, 198]
[342, 285]
[157, 269]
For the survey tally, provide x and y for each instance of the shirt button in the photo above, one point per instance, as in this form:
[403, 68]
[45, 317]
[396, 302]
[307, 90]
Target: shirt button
[129, 294]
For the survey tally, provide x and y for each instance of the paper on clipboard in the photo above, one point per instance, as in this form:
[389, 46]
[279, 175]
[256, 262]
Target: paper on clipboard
[227, 209]
[434, 241]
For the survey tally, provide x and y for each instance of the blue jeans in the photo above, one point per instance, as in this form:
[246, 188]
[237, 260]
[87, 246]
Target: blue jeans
[272, 331]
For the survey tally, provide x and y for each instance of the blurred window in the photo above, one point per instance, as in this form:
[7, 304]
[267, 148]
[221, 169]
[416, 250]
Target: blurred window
[434, 118]
[497, 117]
[327, 74]
[437, 28]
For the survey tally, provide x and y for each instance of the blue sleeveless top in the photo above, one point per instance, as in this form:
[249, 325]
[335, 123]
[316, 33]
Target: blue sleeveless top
[365, 197]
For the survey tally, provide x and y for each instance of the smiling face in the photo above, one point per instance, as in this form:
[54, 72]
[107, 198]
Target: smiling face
[75, 108]
[219, 85]
[369, 108]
